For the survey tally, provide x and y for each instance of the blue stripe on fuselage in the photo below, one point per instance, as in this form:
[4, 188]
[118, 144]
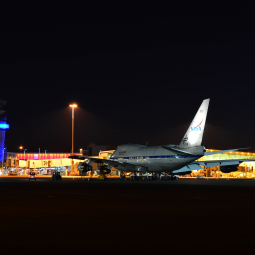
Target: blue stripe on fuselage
[171, 156]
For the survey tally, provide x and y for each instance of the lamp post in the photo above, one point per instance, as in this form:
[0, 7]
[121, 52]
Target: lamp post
[26, 164]
[21, 148]
[73, 106]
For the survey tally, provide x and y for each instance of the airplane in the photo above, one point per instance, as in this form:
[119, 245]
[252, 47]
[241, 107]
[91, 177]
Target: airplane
[173, 159]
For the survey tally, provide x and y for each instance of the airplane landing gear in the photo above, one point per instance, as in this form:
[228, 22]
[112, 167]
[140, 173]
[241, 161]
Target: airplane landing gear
[102, 175]
[134, 176]
[103, 171]
[168, 177]
[122, 175]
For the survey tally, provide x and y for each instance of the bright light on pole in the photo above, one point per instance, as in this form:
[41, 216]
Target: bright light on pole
[21, 148]
[73, 106]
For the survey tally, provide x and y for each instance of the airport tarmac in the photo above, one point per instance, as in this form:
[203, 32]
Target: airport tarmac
[126, 217]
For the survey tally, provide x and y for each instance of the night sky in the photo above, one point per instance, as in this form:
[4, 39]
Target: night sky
[138, 71]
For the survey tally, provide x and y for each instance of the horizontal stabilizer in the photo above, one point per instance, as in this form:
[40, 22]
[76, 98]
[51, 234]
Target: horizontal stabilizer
[175, 150]
[187, 168]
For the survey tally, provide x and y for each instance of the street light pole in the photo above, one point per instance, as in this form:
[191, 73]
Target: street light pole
[73, 106]
[72, 127]
[26, 164]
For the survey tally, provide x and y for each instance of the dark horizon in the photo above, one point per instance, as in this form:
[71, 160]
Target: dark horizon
[138, 73]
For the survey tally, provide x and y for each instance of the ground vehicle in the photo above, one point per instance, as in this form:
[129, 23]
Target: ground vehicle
[13, 173]
[56, 176]
[32, 175]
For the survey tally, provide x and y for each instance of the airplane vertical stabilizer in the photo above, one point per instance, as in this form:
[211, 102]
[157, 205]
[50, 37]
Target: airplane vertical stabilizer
[194, 134]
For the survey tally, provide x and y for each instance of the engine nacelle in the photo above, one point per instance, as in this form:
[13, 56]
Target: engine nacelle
[84, 167]
[103, 168]
[229, 169]
[142, 169]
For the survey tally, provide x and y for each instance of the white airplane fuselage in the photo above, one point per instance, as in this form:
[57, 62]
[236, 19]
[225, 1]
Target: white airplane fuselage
[153, 158]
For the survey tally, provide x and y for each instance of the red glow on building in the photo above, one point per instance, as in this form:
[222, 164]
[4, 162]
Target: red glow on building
[43, 156]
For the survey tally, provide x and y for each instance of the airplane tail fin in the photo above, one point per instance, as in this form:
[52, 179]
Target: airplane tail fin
[194, 134]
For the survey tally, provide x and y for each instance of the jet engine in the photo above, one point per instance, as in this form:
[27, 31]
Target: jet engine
[142, 169]
[228, 169]
[84, 167]
[104, 168]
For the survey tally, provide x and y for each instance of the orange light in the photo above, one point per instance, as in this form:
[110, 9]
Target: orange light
[20, 147]
[73, 105]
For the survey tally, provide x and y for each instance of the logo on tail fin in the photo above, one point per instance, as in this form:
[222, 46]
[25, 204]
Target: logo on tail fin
[194, 133]
[197, 128]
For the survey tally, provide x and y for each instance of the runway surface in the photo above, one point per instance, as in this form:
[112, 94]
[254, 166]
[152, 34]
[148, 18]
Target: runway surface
[126, 217]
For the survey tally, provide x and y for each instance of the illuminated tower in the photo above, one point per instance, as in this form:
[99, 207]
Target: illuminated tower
[3, 127]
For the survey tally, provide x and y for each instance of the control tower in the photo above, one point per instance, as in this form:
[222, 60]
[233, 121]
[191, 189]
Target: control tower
[3, 127]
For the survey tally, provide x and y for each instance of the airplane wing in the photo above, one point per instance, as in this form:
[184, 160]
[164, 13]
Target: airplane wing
[210, 163]
[197, 165]
[91, 160]
[112, 163]
[219, 152]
